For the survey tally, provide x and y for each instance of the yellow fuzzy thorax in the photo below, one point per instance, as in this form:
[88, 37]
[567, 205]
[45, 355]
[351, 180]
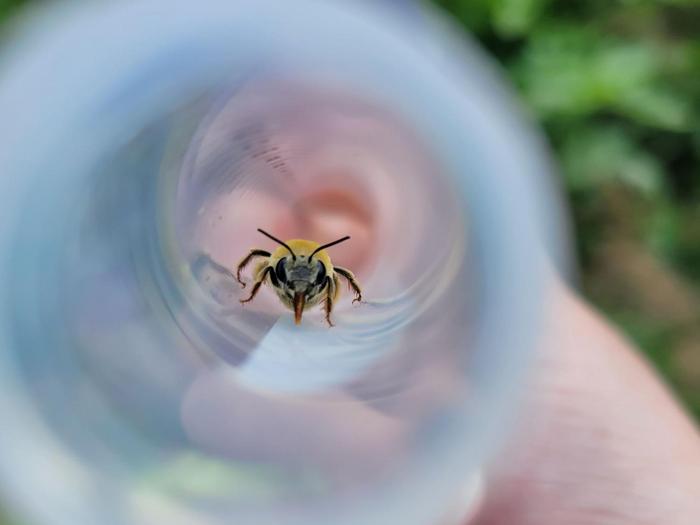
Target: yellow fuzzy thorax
[302, 247]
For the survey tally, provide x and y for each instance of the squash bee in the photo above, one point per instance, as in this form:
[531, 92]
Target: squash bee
[301, 273]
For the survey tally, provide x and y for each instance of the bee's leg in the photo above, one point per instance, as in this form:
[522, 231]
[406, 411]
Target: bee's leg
[336, 287]
[257, 284]
[330, 296]
[352, 282]
[244, 262]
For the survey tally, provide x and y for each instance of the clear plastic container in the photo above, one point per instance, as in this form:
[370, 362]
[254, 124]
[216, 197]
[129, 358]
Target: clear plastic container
[144, 144]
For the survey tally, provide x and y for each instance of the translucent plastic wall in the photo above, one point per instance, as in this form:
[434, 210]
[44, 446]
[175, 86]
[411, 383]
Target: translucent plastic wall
[143, 145]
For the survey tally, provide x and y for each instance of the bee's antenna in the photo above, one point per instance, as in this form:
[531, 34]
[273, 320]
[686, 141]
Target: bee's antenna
[294, 256]
[323, 247]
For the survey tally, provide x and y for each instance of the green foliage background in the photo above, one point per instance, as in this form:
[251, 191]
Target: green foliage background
[616, 86]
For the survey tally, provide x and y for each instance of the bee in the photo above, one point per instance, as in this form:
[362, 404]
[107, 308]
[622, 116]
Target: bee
[301, 273]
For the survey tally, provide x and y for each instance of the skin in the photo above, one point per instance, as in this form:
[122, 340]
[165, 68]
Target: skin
[601, 441]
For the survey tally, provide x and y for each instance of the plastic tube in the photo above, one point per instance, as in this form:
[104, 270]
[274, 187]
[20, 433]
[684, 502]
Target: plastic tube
[144, 144]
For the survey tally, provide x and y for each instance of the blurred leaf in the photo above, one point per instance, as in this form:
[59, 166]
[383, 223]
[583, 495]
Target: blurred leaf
[657, 107]
[7, 7]
[662, 231]
[475, 15]
[554, 71]
[687, 249]
[601, 154]
[513, 18]
[568, 71]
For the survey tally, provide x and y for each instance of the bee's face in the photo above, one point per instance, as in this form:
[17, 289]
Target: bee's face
[299, 279]
[300, 276]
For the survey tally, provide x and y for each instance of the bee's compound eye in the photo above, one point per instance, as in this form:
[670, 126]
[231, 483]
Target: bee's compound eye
[280, 271]
[321, 273]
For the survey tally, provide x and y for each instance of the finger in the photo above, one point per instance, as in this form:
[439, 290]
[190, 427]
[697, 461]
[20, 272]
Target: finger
[333, 432]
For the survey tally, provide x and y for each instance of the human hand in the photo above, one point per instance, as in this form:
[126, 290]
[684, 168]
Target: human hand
[600, 440]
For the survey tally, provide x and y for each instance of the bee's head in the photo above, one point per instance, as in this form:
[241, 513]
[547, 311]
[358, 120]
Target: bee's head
[300, 277]
[301, 274]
